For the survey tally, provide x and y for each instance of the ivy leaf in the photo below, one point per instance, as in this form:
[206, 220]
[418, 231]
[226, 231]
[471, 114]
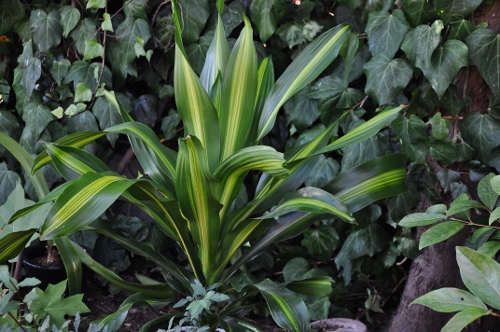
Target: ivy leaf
[385, 78]
[107, 117]
[321, 241]
[325, 171]
[30, 75]
[482, 132]
[386, 32]
[92, 49]
[123, 48]
[292, 34]
[84, 121]
[137, 9]
[427, 39]
[83, 72]
[440, 127]
[37, 116]
[445, 64]
[365, 242]
[443, 152]
[73, 109]
[449, 10]
[106, 24]
[413, 134]
[483, 51]
[51, 302]
[195, 14]
[419, 11]
[301, 110]
[46, 29]
[461, 29]
[85, 29]
[359, 153]
[59, 69]
[82, 93]
[266, 14]
[11, 12]
[96, 4]
[232, 16]
[169, 125]
[196, 54]
[8, 180]
[70, 16]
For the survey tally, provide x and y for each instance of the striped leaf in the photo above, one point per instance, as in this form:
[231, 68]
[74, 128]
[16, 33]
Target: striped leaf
[13, 243]
[72, 162]
[364, 131]
[77, 140]
[316, 286]
[72, 264]
[216, 58]
[311, 62]
[288, 311]
[26, 161]
[372, 181]
[196, 108]
[196, 201]
[82, 202]
[239, 93]
[160, 290]
[313, 200]
[232, 171]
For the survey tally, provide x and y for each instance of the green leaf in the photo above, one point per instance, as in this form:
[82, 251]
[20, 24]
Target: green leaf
[482, 132]
[419, 11]
[51, 302]
[287, 311]
[107, 116]
[37, 117]
[92, 49]
[495, 214]
[83, 72]
[449, 10]
[96, 4]
[395, 74]
[70, 16]
[137, 9]
[440, 233]
[489, 248]
[483, 45]
[302, 71]
[321, 241]
[487, 195]
[413, 134]
[13, 243]
[480, 274]
[386, 32]
[458, 322]
[459, 206]
[232, 16]
[12, 11]
[461, 29]
[216, 59]
[364, 242]
[195, 14]
[326, 170]
[449, 300]
[421, 219]
[46, 29]
[59, 69]
[266, 15]
[445, 63]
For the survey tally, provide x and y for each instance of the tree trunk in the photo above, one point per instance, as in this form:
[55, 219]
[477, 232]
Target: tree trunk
[436, 267]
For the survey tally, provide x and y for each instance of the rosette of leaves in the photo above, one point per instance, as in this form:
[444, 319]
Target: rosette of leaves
[191, 193]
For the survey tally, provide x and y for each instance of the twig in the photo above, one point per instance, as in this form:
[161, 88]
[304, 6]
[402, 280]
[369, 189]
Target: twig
[392, 292]
[17, 322]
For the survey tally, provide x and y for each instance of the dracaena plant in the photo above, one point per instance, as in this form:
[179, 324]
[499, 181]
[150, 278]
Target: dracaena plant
[190, 193]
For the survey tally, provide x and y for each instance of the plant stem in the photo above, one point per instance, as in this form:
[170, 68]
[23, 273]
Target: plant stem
[17, 322]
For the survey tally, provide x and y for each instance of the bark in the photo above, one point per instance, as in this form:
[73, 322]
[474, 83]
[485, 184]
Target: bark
[436, 267]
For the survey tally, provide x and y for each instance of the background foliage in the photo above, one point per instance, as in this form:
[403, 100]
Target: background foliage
[57, 53]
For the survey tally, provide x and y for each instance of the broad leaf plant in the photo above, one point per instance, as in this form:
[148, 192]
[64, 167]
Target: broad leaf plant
[191, 193]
